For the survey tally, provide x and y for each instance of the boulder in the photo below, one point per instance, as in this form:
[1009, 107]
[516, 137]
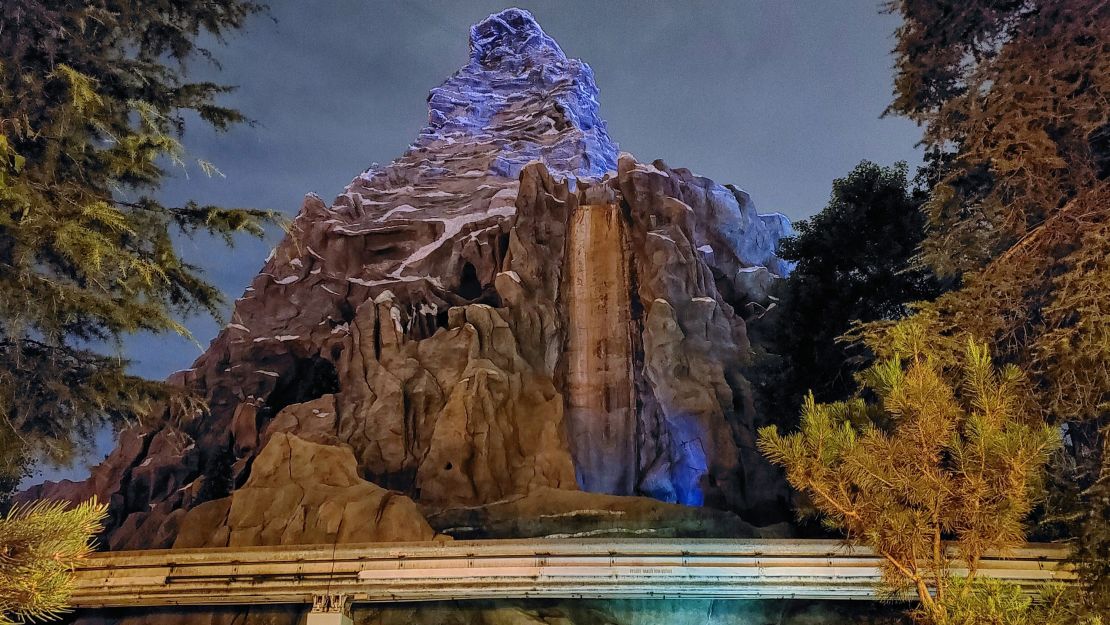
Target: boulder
[300, 492]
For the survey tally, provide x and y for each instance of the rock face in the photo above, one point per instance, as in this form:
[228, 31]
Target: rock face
[510, 308]
[303, 493]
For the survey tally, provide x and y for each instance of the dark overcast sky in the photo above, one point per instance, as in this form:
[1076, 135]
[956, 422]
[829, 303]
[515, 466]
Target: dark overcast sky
[777, 97]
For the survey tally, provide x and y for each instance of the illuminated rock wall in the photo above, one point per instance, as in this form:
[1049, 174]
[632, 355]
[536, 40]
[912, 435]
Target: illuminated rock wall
[508, 309]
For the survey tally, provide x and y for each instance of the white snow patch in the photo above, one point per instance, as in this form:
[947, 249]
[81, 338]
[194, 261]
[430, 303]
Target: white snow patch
[272, 374]
[287, 337]
[404, 208]
[708, 249]
[287, 280]
[238, 326]
[650, 169]
[661, 236]
[405, 189]
[453, 226]
[504, 197]
[384, 296]
[474, 233]
[328, 290]
[436, 193]
[395, 315]
[394, 279]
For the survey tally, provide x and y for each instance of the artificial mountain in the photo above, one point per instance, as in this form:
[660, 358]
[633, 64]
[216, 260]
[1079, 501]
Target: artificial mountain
[512, 330]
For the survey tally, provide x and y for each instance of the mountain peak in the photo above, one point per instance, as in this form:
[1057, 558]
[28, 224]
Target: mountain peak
[512, 36]
[520, 91]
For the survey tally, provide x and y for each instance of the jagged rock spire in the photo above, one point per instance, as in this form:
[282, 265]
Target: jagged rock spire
[512, 37]
[521, 94]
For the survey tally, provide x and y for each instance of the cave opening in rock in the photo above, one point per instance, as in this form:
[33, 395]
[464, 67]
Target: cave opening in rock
[312, 378]
[502, 247]
[470, 287]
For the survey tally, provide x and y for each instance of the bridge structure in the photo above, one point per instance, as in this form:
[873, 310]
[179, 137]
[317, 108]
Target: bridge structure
[332, 577]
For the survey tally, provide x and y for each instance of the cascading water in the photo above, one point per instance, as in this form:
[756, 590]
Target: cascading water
[601, 419]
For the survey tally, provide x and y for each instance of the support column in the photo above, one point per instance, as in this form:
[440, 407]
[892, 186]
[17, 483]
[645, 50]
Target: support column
[330, 610]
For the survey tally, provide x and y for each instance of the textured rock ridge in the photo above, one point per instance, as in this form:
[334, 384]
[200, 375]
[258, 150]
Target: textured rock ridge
[510, 308]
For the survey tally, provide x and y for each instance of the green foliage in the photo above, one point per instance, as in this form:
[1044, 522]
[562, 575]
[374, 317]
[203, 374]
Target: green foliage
[853, 263]
[1014, 93]
[1043, 305]
[1013, 100]
[986, 601]
[1091, 557]
[39, 546]
[93, 101]
[951, 449]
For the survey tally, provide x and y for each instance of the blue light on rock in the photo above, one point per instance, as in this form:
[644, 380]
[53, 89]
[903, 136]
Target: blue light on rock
[515, 68]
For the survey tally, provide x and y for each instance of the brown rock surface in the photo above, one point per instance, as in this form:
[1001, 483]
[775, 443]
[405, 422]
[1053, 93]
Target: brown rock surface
[301, 492]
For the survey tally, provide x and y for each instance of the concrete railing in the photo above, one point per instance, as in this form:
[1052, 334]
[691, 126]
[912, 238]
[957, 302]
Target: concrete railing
[495, 569]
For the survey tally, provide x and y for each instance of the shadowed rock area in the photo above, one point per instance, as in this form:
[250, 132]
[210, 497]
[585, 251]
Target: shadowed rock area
[512, 330]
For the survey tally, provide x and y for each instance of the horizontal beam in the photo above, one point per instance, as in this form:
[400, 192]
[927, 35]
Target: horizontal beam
[502, 569]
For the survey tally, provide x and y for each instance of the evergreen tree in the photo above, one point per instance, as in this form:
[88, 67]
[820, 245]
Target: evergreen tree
[94, 98]
[39, 546]
[853, 263]
[951, 449]
[1013, 93]
[1013, 97]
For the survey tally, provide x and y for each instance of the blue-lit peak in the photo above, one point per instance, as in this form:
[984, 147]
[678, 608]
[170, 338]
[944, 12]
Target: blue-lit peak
[520, 95]
[512, 37]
